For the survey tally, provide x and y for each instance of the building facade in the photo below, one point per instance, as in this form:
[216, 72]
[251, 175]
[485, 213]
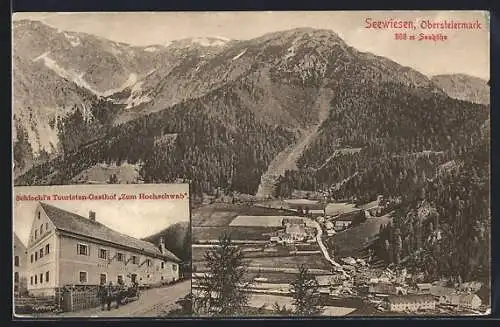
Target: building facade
[295, 228]
[20, 282]
[402, 303]
[67, 249]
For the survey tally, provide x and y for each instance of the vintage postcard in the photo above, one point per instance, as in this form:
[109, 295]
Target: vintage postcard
[101, 250]
[338, 162]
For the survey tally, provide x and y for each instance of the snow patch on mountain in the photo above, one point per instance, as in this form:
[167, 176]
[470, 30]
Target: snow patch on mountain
[73, 40]
[151, 49]
[70, 75]
[77, 77]
[42, 137]
[209, 42]
[240, 54]
[130, 82]
[115, 49]
[136, 96]
[290, 52]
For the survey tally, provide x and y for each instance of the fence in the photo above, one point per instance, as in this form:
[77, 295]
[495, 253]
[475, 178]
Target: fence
[78, 297]
[30, 305]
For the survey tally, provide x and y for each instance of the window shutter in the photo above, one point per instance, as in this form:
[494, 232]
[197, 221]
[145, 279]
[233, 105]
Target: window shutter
[77, 252]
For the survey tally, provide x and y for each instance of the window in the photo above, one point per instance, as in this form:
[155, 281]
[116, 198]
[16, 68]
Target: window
[36, 279]
[36, 256]
[162, 265]
[16, 288]
[38, 214]
[41, 253]
[103, 279]
[36, 233]
[134, 259]
[148, 275]
[32, 258]
[83, 249]
[174, 267]
[161, 277]
[31, 280]
[16, 277]
[16, 261]
[120, 256]
[46, 227]
[83, 276]
[41, 230]
[119, 279]
[47, 276]
[103, 254]
[148, 262]
[47, 249]
[41, 278]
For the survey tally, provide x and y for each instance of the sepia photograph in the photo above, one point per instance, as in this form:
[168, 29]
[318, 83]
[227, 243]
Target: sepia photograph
[101, 250]
[338, 162]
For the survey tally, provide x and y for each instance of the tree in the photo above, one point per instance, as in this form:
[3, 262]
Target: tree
[185, 307]
[223, 291]
[113, 179]
[305, 290]
[282, 311]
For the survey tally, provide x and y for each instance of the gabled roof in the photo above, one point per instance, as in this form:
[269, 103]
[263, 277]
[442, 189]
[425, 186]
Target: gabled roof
[17, 242]
[76, 224]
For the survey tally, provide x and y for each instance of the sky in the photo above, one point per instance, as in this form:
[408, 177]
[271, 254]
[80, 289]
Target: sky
[137, 218]
[465, 51]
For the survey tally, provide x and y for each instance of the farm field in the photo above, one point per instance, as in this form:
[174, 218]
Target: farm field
[263, 221]
[221, 214]
[255, 251]
[236, 233]
[352, 240]
[333, 209]
[126, 173]
[311, 261]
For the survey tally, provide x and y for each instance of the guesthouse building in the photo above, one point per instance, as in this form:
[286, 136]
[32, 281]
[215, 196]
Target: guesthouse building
[68, 249]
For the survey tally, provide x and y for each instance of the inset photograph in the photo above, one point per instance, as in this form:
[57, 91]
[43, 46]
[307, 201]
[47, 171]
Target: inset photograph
[101, 251]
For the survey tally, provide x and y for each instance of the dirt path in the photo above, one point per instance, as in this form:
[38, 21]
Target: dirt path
[151, 303]
[287, 159]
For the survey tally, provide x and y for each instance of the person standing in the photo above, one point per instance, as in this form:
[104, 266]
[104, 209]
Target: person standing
[119, 295]
[101, 293]
[109, 295]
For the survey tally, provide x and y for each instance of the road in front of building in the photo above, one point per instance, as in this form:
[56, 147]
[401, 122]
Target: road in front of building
[151, 303]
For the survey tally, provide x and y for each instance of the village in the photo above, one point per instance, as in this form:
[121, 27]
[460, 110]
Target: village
[349, 285]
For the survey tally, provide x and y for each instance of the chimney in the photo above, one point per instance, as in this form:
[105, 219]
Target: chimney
[92, 215]
[162, 245]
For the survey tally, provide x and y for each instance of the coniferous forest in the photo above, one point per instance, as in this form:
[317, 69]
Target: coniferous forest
[202, 149]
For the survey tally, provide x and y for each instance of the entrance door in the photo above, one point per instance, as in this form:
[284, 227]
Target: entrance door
[102, 278]
[134, 278]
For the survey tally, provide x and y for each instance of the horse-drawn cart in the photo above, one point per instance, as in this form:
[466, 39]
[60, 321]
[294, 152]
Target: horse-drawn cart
[128, 294]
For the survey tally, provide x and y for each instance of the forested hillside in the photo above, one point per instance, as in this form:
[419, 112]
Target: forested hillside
[206, 150]
[444, 230]
[177, 239]
[402, 134]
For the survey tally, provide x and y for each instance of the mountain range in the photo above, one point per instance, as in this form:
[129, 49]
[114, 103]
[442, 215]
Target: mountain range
[76, 93]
